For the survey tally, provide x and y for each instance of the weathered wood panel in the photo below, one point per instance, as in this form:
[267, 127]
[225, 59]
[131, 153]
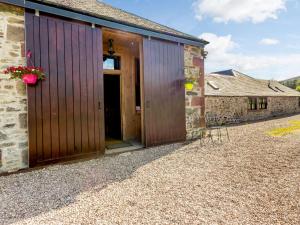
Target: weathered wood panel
[65, 119]
[164, 96]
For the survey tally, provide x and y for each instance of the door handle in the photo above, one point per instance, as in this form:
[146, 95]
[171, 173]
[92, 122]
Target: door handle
[147, 104]
[99, 106]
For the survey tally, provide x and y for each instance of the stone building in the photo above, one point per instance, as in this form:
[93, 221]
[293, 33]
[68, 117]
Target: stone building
[233, 97]
[62, 117]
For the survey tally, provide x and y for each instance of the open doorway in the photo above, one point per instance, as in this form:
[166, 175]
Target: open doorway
[112, 107]
[122, 90]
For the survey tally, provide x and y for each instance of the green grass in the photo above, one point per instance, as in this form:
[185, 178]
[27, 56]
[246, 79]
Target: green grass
[283, 131]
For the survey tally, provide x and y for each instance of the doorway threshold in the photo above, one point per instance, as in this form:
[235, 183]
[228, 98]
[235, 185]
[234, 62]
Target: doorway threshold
[133, 147]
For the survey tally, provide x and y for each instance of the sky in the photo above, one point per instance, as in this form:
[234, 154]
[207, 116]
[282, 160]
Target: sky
[257, 37]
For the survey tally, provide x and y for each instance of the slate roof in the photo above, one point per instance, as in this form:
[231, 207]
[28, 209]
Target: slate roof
[105, 11]
[234, 83]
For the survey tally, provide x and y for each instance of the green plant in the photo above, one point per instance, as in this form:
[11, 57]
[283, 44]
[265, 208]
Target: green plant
[191, 80]
[20, 71]
[298, 88]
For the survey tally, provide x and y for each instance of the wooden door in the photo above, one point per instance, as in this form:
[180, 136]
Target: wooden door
[164, 94]
[65, 112]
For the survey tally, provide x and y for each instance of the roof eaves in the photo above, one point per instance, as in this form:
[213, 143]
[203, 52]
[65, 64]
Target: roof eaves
[183, 36]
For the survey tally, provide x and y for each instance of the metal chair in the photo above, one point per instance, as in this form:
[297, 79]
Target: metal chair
[215, 124]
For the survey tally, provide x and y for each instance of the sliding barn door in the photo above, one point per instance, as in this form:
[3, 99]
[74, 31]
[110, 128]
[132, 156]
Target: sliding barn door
[65, 118]
[164, 94]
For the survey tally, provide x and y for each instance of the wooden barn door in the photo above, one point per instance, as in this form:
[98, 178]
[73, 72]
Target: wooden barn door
[164, 94]
[65, 115]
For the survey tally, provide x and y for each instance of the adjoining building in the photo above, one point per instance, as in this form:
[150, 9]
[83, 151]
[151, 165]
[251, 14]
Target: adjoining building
[233, 97]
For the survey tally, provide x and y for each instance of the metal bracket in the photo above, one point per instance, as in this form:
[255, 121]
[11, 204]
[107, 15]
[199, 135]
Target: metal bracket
[37, 12]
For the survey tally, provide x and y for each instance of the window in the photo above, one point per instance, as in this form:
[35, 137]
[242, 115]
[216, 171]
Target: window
[262, 103]
[252, 104]
[111, 62]
[257, 103]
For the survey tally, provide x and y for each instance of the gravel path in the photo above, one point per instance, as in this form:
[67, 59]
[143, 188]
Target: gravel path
[254, 179]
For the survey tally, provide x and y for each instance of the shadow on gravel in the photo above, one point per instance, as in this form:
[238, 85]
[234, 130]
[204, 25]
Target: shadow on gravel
[29, 194]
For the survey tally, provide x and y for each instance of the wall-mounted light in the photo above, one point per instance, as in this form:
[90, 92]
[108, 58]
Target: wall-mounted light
[204, 53]
[111, 50]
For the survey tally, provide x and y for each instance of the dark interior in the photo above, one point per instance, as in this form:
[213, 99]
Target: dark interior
[112, 106]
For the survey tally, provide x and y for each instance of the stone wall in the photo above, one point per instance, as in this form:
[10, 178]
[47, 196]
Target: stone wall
[13, 102]
[230, 110]
[194, 99]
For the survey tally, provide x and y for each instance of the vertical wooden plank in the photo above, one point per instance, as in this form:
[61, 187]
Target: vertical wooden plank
[156, 93]
[31, 93]
[145, 94]
[76, 86]
[96, 71]
[152, 91]
[166, 88]
[38, 90]
[83, 88]
[178, 105]
[90, 90]
[173, 71]
[182, 93]
[100, 87]
[175, 99]
[171, 91]
[160, 92]
[69, 88]
[47, 145]
[61, 83]
[148, 86]
[53, 89]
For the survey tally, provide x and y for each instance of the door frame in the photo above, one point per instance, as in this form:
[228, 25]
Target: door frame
[142, 91]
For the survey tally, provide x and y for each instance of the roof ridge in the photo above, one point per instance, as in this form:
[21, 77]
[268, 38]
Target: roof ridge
[245, 85]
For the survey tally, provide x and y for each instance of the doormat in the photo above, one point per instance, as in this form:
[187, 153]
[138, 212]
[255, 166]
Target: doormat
[118, 145]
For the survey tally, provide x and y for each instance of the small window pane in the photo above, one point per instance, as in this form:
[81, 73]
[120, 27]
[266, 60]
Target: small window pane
[111, 62]
[252, 105]
[262, 103]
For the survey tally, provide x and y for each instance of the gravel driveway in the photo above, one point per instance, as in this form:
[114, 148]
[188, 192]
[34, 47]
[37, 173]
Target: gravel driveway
[254, 179]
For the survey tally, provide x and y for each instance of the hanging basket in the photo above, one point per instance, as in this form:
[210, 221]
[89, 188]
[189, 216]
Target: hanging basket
[30, 79]
[189, 86]
[29, 75]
